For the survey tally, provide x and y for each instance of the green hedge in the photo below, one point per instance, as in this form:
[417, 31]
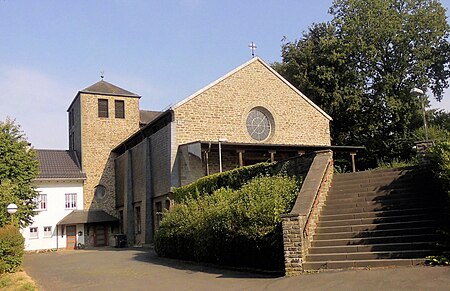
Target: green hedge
[233, 179]
[439, 155]
[231, 227]
[11, 249]
[440, 162]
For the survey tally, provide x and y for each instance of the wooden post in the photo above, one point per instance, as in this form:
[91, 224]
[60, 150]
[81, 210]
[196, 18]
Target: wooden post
[353, 154]
[207, 162]
[272, 156]
[241, 157]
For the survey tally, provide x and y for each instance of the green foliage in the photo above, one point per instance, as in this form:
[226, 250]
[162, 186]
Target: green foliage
[439, 118]
[233, 179]
[439, 155]
[233, 227]
[361, 66]
[440, 161]
[11, 249]
[397, 163]
[438, 260]
[18, 168]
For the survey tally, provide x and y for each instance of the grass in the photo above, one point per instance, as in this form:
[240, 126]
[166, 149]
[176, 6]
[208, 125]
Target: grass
[18, 281]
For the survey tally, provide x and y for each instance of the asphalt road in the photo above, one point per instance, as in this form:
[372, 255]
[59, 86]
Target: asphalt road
[141, 269]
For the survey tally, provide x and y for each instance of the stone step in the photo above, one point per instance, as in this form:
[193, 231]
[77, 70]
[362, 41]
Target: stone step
[390, 204]
[378, 220]
[384, 184]
[361, 263]
[427, 230]
[377, 226]
[338, 199]
[370, 214]
[380, 173]
[407, 254]
[381, 180]
[352, 209]
[390, 192]
[429, 237]
[363, 248]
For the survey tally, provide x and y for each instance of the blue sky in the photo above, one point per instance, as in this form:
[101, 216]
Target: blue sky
[161, 50]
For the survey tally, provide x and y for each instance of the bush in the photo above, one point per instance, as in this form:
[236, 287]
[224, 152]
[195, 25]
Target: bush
[232, 227]
[440, 161]
[11, 249]
[439, 155]
[233, 179]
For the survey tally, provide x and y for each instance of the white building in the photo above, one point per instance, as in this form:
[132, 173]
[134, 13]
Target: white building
[60, 187]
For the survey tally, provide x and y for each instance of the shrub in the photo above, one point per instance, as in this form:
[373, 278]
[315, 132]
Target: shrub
[233, 179]
[11, 249]
[232, 227]
[440, 165]
[440, 161]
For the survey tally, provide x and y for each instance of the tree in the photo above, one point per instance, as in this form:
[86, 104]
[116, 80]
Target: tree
[18, 168]
[440, 118]
[361, 66]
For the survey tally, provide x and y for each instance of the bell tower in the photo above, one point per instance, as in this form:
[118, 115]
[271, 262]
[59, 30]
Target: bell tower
[100, 118]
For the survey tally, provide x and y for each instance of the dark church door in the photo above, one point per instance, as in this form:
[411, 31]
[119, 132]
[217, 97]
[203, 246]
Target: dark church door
[100, 236]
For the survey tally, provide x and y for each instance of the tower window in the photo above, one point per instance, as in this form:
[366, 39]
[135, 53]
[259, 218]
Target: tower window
[120, 108]
[102, 108]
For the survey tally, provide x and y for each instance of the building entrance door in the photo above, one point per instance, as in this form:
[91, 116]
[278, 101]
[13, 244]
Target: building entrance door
[71, 236]
[100, 236]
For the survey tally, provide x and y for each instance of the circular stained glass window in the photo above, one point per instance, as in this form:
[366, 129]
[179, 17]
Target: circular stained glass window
[259, 124]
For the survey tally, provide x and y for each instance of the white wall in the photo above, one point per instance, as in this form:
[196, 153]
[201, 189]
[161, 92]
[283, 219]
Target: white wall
[53, 214]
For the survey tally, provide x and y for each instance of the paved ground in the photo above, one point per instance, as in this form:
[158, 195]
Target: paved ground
[141, 269]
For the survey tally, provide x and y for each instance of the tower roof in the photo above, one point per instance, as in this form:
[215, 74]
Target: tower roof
[105, 88]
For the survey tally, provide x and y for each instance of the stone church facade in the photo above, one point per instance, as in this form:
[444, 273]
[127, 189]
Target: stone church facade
[133, 158]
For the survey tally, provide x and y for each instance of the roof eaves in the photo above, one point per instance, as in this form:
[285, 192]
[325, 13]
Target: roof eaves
[109, 94]
[38, 179]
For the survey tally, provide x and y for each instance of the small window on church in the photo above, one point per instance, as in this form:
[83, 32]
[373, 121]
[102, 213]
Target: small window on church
[100, 191]
[102, 108]
[120, 108]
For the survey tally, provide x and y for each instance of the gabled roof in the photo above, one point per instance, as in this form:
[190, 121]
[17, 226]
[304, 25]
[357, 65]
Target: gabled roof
[255, 59]
[87, 216]
[58, 165]
[147, 116]
[105, 88]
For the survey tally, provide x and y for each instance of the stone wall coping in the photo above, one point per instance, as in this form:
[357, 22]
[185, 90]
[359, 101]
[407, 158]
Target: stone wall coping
[312, 182]
[289, 215]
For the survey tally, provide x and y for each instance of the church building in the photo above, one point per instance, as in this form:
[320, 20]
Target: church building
[132, 158]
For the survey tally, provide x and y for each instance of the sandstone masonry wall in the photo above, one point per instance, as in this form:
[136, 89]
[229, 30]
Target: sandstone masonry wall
[98, 137]
[222, 110]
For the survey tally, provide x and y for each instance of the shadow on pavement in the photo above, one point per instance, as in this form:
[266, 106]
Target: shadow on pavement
[149, 255]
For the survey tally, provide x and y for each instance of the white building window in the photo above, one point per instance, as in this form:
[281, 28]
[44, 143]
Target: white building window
[47, 231]
[71, 201]
[34, 232]
[41, 202]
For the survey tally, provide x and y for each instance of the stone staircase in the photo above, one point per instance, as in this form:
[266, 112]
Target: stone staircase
[378, 218]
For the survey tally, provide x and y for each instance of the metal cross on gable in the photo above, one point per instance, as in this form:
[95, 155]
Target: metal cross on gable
[252, 47]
